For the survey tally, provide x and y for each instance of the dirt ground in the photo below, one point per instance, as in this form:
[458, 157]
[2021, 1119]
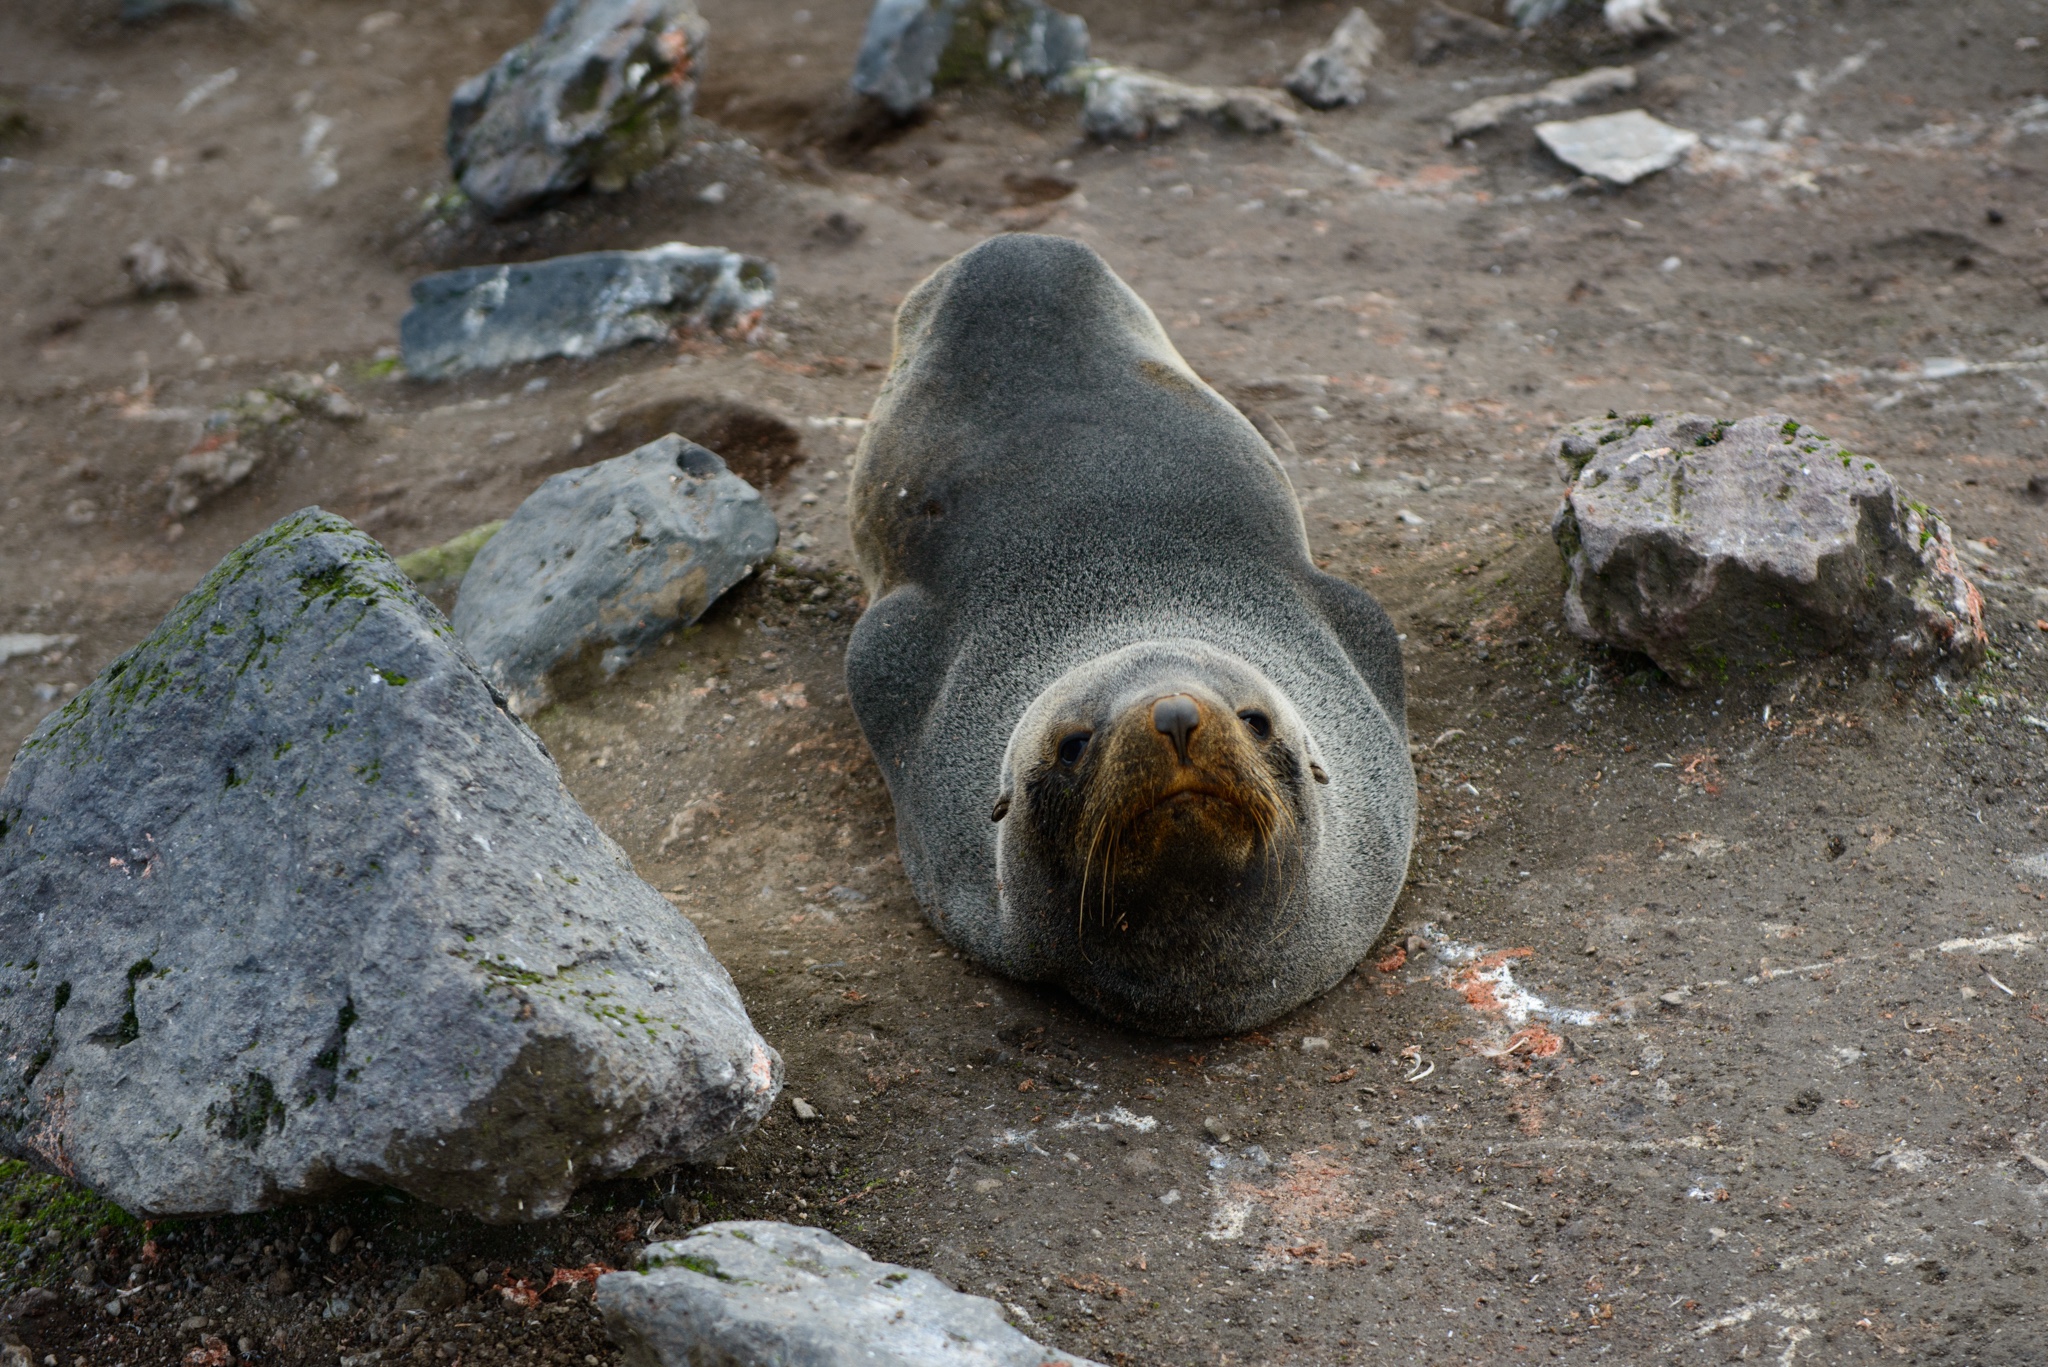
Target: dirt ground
[1710, 1025]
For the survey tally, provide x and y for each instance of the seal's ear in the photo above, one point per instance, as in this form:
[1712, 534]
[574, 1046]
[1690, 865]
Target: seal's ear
[1318, 772]
[1002, 807]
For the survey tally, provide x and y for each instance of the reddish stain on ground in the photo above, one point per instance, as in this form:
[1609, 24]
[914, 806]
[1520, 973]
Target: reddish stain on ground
[1479, 992]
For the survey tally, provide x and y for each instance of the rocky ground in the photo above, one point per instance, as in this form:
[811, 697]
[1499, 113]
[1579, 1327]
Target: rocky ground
[1711, 1023]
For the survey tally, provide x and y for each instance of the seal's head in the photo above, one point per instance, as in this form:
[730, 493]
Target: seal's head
[1158, 805]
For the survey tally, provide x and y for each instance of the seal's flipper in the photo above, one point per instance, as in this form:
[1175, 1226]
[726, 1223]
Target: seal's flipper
[1369, 638]
[895, 663]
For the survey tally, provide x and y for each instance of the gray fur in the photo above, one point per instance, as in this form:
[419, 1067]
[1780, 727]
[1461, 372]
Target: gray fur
[1043, 482]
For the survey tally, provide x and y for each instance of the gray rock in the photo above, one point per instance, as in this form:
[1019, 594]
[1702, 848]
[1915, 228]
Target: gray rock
[1035, 42]
[906, 41]
[1596, 84]
[1618, 148]
[1334, 74]
[752, 1293]
[599, 562]
[485, 317]
[289, 902]
[1441, 32]
[595, 98]
[900, 51]
[1125, 102]
[1722, 548]
[238, 437]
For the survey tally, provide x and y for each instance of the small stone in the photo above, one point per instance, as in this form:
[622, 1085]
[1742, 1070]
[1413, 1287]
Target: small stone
[1333, 75]
[1676, 997]
[338, 1308]
[804, 1110]
[1583, 88]
[684, 1211]
[596, 97]
[1214, 1127]
[18, 643]
[1636, 18]
[1415, 945]
[1591, 951]
[167, 266]
[439, 1287]
[193, 1323]
[340, 1240]
[1617, 148]
[605, 560]
[489, 317]
[751, 1293]
[1125, 102]
[1314, 1044]
[1719, 548]
[279, 1283]
[113, 1308]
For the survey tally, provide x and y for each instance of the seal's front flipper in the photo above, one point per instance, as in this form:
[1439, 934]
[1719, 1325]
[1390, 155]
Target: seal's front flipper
[895, 664]
[1368, 637]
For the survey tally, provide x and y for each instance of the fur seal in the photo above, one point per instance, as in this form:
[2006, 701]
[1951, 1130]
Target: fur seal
[1093, 618]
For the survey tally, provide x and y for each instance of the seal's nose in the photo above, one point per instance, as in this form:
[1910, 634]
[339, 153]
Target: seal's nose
[1177, 716]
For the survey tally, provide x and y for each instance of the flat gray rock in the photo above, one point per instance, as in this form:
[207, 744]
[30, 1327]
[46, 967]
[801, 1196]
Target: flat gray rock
[1718, 549]
[599, 562]
[289, 902]
[488, 317]
[597, 96]
[1126, 102]
[752, 1293]
[906, 41]
[1333, 75]
[1618, 148]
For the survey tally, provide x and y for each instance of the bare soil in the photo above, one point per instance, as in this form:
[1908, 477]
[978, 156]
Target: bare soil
[1702, 1032]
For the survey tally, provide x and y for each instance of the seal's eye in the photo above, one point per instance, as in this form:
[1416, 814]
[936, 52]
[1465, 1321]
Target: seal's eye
[1261, 725]
[1073, 747]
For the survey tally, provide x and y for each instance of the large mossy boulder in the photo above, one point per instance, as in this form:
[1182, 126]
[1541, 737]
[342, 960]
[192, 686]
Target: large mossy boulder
[289, 901]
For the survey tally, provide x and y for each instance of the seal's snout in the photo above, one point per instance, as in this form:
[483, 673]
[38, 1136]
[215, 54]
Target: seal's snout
[1176, 717]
